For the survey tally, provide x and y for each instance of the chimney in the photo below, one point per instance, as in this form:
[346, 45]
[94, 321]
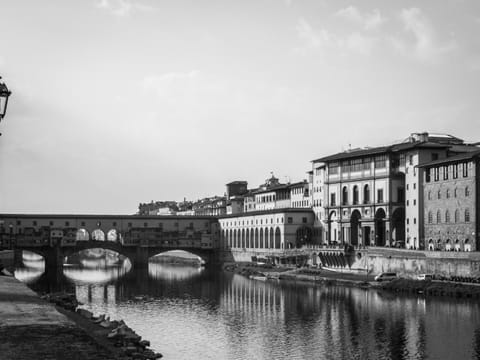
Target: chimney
[419, 137]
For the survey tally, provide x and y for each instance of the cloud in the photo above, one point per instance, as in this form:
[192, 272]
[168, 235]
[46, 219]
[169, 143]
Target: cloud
[325, 40]
[369, 21]
[425, 45]
[122, 8]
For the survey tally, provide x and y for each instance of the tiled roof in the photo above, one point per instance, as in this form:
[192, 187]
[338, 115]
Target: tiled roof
[465, 156]
[380, 150]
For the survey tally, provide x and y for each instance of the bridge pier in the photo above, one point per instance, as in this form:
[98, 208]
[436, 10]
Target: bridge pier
[140, 260]
[18, 258]
[53, 258]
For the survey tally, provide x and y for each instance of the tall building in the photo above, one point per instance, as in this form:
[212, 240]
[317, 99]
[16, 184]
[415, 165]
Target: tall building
[373, 196]
[451, 201]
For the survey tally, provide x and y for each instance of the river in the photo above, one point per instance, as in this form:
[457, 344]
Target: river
[192, 312]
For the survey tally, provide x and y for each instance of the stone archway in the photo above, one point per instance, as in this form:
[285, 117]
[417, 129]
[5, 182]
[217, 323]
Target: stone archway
[332, 228]
[398, 227]
[303, 236]
[82, 235]
[380, 227]
[355, 230]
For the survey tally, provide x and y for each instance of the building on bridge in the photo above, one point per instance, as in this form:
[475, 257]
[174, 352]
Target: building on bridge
[42, 233]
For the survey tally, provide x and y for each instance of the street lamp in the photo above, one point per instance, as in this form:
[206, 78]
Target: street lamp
[4, 94]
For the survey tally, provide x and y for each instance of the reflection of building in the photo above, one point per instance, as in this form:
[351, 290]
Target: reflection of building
[372, 196]
[451, 202]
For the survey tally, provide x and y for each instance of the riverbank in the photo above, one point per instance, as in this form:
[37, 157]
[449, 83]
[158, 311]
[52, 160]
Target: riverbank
[32, 328]
[346, 278]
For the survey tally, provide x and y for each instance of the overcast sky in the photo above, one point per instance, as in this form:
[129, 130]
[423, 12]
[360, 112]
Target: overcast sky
[117, 102]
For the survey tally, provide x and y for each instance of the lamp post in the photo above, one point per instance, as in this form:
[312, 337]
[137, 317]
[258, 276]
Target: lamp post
[4, 94]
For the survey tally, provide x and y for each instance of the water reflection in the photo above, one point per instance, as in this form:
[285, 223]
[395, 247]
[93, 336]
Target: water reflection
[190, 312]
[173, 272]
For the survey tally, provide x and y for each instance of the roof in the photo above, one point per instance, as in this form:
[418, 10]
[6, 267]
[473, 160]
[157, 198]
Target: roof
[271, 211]
[452, 159]
[381, 150]
[238, 182]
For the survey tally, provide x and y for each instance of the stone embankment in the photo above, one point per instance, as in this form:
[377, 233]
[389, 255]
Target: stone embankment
[32, 328]
[327, 277]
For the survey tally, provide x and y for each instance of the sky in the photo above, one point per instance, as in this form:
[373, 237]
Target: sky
[117, 102]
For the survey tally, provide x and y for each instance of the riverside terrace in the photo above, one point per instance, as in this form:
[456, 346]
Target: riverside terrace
[136, 237]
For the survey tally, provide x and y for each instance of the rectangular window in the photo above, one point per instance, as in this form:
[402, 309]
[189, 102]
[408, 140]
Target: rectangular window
[34, 223]
[380, 195]
[414, 220]
[345, 166]
[436, 175]
[410, 160]
[445, 172]
[380, 162]
[414, 186]
[434, 156]
[304, 220]
[455, 171]
[333, 168]
[357, 165]
[414, 201]
[400, 195]
[83, 223]
[19, 222]
[51, 223]
[366, 163]
[289, 220]
[114, 224]
[67, 223]
[332, 199]
[465, 170]
[428, 175]
[129, 225]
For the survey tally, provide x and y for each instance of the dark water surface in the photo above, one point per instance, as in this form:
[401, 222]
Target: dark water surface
[202, 313]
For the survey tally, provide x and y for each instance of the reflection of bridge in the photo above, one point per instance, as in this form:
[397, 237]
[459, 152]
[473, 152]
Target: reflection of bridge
[136, 237]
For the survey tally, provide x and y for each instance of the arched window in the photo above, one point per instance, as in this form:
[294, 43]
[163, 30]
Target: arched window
[439, 194]
[447, 216]
[467, 215]
[448, 193]
[430, 217]
[345, 195]
[439, 217]
[355, 195]
[366, 194]
[455, 192]
[467, 191]
[457, 216]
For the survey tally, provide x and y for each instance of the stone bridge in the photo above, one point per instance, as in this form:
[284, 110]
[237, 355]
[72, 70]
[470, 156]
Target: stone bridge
[136, 237]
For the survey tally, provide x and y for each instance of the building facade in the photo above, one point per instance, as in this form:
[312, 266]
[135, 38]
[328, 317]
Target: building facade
[451, 198]
[374, 196]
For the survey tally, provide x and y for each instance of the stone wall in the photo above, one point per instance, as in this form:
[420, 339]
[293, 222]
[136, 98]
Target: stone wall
[411, 263]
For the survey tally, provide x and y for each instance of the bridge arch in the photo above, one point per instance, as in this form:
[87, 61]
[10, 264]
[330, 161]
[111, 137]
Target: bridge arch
[98, 235]
[82, 235]
[113, 235]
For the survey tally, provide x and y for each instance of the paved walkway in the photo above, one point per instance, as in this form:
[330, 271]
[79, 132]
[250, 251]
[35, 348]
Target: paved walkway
[31, 328]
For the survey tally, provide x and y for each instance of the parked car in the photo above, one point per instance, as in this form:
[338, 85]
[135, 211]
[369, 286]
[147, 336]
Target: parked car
[425, 277]
[386, 276]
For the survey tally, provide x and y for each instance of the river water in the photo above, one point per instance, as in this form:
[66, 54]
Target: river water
[191, 312]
